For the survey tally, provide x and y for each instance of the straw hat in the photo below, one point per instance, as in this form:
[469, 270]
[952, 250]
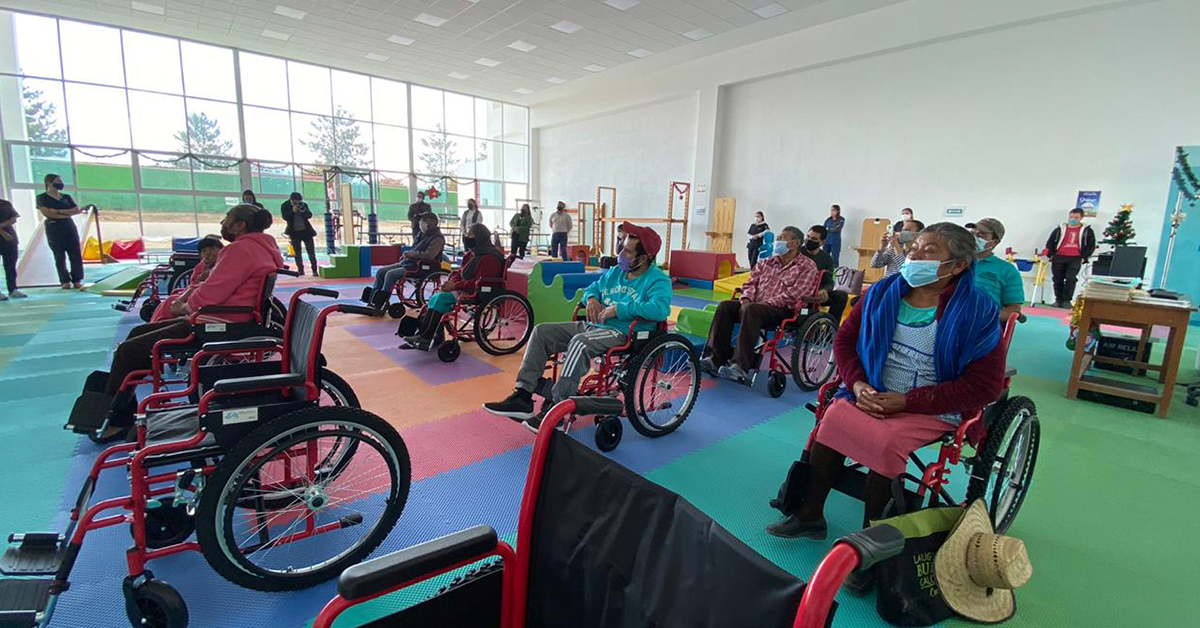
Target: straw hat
[977, 569]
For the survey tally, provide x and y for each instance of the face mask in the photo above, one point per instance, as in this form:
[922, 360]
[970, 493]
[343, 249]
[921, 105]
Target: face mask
[1074, 222]
[469, 242]
[781, 248]
[907, 236]
[812, 245]
[58, 185]
[920, 272]
[758, 220]
[625, 263]
[981, 245]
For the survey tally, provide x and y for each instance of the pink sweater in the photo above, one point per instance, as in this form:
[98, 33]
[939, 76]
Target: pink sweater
[237, 278]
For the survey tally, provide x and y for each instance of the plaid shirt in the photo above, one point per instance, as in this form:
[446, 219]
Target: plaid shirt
[773, 283]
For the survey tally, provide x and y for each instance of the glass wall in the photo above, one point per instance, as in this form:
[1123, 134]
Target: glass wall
[163, 134]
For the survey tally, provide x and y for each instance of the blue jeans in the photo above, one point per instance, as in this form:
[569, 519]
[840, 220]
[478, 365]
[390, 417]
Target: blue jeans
[387, 276]
[558, 242]
[833, 246]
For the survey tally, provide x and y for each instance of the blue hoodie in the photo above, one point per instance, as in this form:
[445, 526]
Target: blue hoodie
[646, 296]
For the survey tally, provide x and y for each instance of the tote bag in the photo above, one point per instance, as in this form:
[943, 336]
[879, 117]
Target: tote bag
[908, 594]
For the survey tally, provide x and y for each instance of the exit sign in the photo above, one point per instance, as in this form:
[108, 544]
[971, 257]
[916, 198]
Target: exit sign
[955, 210]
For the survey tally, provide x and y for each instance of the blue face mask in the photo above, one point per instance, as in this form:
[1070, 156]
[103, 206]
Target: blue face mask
[781, 248]
[1074, 222]
[920, 272]
[981, 245]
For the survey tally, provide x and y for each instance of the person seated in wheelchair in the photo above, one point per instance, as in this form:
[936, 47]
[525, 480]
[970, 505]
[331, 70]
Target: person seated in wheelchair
[482, 263]
[999, 278]
[776, 285]
[814, 248]
[428, 249]
[235, 281]
[209, 248]
[920, 352]
[634, 289]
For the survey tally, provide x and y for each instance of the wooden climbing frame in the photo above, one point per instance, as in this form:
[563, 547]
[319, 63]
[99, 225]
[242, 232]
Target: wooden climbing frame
[683, 190]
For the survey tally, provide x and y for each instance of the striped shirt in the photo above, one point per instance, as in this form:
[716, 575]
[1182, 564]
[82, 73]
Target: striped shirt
[889, 258]
[773, 283]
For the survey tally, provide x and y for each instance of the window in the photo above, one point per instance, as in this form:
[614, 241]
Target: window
[443, 155]
[489, 118]
[212, 128]
[488, 160]
[268, 134]
[217, 175]
[30, 164]
[106, 170]
[91, 53]
[164, 171]
[427, 109]
[35, 51]
[309, 88]
[208, 71]
[516, 163]
[152, 63]
[491, 194]
[158, 121]
[460, 116]
[272, 179]
[264, 81]
[389, 102]
[514, 192]
[97, 116]
[44, 118]
[516, 124]
[351, 95]
[391, 148]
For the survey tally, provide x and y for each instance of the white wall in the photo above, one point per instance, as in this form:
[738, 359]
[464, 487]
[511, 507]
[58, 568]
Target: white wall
[638, 151]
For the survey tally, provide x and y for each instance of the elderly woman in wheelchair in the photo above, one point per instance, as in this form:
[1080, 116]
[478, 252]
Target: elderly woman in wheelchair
[920, 354]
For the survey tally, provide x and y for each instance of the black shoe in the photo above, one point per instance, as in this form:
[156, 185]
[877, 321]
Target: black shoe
[379, 300]
[794, 528]
[860, 583]
[518, 406]
[418, 342]
[535, 422]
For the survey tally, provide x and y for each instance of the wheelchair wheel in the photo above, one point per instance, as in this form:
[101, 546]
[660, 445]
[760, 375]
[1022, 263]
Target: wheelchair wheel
[812, 353]
[776, 384]
[146, 312]
[608, 433]
[167, 524]
[661, 385]
[429, 286]
[396, 310]
[153, 603]
[1003, 469]
[503, 325]
[180, 281]
[329, 521]
[448, 351]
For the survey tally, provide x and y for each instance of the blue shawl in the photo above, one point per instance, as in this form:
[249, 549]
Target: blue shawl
[967, 330]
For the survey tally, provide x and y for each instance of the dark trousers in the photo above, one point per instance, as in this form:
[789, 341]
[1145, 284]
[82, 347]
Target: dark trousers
[752, 255]
[1064, 271]
[834, 249]
[837, 304]
[312, 252]
[753, 317]
[8, 251]
[134, 354]
[558, 244]
[63, 238]
[520, 247]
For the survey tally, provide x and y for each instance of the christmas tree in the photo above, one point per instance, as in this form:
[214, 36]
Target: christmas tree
[1119, 231]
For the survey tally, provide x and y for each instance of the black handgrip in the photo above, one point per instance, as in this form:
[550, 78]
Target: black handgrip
[287, 271]
[226, 309]
[875, 544]
[356, 309]
[242, 345]
[587, 406]
[383, 573]
[243, 384]
[322, 292]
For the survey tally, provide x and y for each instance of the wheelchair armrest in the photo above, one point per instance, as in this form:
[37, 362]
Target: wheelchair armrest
[243, 384]
[289, 272]
[322, 292]
[241, 345]
[875, 544]
[386, 572]
[587, 406]
[225, 309]
[355, 309]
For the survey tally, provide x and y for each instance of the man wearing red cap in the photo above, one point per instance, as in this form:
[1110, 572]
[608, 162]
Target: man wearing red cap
[635, 288]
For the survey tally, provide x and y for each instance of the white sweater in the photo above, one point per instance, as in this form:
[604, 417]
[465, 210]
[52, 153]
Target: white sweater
[560, 222]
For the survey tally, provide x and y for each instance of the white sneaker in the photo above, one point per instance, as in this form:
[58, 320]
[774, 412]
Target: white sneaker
[17, 294]
[3, 297]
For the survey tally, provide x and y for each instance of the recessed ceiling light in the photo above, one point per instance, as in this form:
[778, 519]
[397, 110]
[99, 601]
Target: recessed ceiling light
[566, 26]
[640, 53]
[400, 39]
[295, 14]
[595, 68]
[484, 61]
[374, 56]
[275, 35]
[523, 90]
[523, 46]
[147, 8]
[556, 80]
[621, 5]
[770, 11]
[697, 34]
[431, 20]
[458, 75]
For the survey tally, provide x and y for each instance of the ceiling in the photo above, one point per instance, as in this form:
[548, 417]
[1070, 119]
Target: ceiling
[504, 49]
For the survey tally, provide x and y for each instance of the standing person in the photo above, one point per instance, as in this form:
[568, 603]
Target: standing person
[8, 249]
[895, 247]
[996, 277]
[248, 198]
[833, 234]
[519, 226]
[61, 233]
[415, 211]
[814, 248]
[560, 227]
[299, 230]
[1069, 246]
[906, 215]
[469, 219]
[755, 242]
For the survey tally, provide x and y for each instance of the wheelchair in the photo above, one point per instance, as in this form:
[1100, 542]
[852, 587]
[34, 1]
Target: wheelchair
[1004, 437]
[592, 542]
[175, 274]
[281, 492]
[414, 289]
[656, 374]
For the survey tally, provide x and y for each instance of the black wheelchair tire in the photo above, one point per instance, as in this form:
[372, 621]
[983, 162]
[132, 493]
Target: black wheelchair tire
[153, 603]
[480, 328]
[212, 530]
[814, 324]
[146, 312]
[396, 310]
[1018, 419]
[449, 351]
[776, 384]
[432, 281]
[631, 386]
[168, 524]
[608, 433]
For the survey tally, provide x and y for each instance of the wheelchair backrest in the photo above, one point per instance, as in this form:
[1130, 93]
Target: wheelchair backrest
[264, 296]
[611, 548]
[302, 335]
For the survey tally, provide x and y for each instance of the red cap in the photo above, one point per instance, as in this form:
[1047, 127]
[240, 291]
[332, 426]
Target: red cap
[647, 236]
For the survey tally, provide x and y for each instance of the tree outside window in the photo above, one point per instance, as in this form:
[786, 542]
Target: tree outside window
[337, 141]
[41, 124]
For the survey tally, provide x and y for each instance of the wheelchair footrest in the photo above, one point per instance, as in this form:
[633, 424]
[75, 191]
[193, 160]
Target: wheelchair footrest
[89, 413]
[23, 600]
[34, 554]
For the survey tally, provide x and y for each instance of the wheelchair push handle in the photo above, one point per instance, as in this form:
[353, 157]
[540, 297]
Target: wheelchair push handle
[322, 292]
[346, 308]
[601, 406]
[857, 551]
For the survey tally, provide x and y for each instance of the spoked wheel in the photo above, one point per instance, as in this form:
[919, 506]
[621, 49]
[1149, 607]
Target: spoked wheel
[661, 385]
[812, 353]
[608, 433]
[1003, 469]
[430, 285]
[151, 603]
[504, 324]
[326, 521]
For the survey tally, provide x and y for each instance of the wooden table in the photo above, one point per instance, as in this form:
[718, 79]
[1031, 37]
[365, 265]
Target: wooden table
[1140, 313]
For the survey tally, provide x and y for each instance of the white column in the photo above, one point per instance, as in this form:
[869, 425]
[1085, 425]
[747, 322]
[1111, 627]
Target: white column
[705, 163]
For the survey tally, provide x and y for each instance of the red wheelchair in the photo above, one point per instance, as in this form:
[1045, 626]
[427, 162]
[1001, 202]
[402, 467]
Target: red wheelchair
[1004, 438]
[280, 491]
[601, 546]
[163, 279]
[414, 289]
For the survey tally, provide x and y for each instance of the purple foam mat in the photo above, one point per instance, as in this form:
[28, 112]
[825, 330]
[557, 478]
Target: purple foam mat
[381, 336]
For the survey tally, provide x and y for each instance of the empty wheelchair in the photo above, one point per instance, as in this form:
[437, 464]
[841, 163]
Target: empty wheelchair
[1004, 439]
[413, 290]
[598, 545]
[280, 492]
[163, 279]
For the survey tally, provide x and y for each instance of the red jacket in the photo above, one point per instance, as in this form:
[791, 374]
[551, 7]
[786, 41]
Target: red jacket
[979, 385]
[237, 278]
[489, 267]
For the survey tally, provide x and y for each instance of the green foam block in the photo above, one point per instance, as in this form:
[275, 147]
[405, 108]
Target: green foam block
[695, 322]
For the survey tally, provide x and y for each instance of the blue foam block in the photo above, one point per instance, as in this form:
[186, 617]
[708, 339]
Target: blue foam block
[702, 284]
[186, 245]
[551, 269]
[575, 281]
[364, 261]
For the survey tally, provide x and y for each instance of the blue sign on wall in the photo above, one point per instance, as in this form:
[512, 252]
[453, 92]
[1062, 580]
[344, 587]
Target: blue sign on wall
[1089, 202]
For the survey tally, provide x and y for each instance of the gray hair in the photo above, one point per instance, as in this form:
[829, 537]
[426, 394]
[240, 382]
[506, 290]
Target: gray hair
[795, 232]
[959, 241]
[991, 225]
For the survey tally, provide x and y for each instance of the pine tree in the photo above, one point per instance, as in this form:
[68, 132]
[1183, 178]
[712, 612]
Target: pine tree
[438, 154]
[336, 140]
[1119, 231]
[41, 124]
[203, 136]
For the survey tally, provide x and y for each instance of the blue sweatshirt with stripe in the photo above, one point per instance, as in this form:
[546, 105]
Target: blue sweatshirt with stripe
[646, 296]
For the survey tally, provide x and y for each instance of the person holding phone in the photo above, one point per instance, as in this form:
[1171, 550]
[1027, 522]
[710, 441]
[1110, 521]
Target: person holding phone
[299, 230]
[895, 247]
[61, 233]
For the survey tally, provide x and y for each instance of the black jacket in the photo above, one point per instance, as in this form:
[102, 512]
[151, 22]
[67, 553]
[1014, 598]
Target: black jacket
[824, 262]
[1087, 241]
[307, 230]
[755, 232]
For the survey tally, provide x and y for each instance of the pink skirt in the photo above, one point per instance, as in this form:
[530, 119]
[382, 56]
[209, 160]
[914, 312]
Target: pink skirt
[881, 445]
